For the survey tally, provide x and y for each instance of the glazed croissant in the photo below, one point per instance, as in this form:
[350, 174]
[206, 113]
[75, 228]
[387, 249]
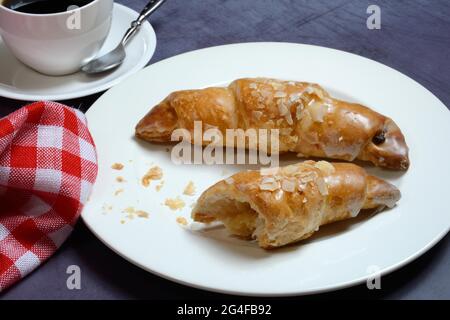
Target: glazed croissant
[310, 122]
[291, 203]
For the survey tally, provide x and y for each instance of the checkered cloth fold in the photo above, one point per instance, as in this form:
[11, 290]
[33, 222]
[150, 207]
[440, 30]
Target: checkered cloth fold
[48, 165]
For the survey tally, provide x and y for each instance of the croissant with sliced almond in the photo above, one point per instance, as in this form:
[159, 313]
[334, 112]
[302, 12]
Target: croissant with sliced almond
[284, 205]
[310, 122]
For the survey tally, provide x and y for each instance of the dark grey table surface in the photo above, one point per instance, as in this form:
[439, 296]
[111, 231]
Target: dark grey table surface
[414, 39]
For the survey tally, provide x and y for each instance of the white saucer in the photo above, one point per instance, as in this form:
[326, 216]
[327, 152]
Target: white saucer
[18, 81]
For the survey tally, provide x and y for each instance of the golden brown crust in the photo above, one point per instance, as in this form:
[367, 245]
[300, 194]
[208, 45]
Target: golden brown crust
[310, 121]
[278, 208]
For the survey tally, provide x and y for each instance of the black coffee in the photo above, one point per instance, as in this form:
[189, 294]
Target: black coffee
[43, 6]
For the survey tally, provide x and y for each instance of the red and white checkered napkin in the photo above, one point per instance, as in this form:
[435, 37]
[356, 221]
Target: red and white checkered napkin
[48, 165]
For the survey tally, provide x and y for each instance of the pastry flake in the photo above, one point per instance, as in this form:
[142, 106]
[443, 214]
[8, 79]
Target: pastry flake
[154, 173]
[117, 166]
[182, 221]
[175, 204]
[189, 190]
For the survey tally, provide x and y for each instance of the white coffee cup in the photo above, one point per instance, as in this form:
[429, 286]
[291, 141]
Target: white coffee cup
[58, 43]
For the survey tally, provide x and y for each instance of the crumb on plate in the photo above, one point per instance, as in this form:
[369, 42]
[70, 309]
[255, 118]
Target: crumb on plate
[142, 214]
[154, 173]
[190, 189]
[159, 186]
[133, 213]
[182, 220]
[120, 179]
[117, 166]
[175, 204]
[119, 191]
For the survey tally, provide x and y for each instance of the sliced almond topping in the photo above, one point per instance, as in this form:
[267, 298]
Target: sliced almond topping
[298, 111]
[289, 170]
[268, 180]
[306, 119]
[279, 195]
[269, 184]
[307, 177]
[269, 187]
[253, 85]
[316, 91]
[318, 111]
[289, 119]
[277, 177]
[295, 97]
[301, 186]
[326, 167]
[288, 185]
[282, 108]
[322, 186]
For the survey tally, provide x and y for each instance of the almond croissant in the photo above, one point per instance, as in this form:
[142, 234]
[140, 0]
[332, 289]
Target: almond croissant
[310, 122]
[291, 203]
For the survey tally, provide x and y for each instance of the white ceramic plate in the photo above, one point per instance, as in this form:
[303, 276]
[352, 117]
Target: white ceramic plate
[18, 81]
[339, 255]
